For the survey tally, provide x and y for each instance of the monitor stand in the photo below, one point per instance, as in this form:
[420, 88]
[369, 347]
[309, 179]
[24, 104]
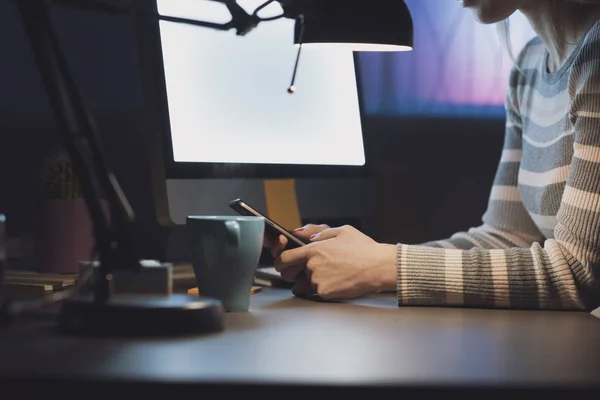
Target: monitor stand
[282, 202]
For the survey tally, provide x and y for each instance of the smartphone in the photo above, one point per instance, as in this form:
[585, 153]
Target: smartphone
[273, 228]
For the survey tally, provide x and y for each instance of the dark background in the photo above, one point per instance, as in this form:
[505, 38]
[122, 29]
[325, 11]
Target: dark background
[433, 176]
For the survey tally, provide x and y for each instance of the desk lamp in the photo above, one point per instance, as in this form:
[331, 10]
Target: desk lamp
[383, 22]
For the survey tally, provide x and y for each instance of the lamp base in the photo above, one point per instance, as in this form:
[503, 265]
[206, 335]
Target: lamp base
[141, 315]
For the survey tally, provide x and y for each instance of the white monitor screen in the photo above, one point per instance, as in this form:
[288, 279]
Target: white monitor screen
[227, 94]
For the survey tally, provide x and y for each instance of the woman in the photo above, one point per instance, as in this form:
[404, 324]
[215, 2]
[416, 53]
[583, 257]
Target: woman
[539, 245]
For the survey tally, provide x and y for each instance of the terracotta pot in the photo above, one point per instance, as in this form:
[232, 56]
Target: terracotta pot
[65, 235]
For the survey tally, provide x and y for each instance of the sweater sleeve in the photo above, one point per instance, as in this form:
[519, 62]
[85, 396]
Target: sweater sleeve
[560, 273]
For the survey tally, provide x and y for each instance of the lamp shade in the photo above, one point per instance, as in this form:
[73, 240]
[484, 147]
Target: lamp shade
[370, 25]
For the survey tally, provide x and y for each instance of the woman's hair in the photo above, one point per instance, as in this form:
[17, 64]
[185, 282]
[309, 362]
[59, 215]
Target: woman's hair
[504, 33]
[504, 26]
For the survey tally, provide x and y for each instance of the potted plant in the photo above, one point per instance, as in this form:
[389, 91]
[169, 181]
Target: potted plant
[65, 235]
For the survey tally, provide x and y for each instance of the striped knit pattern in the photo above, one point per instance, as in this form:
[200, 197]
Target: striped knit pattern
[539, 244]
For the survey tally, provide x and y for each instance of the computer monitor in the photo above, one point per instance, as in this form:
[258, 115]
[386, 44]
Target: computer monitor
[226, 122]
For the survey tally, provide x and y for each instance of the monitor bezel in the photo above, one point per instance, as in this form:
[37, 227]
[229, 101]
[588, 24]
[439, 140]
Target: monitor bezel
[154, 82]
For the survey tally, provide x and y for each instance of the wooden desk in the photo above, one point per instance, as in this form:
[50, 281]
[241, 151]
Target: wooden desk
[288, 341]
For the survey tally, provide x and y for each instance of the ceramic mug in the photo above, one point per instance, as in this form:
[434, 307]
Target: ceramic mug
[225, 251]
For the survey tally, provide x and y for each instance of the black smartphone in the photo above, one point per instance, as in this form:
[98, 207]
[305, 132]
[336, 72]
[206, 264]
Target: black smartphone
[273, 228]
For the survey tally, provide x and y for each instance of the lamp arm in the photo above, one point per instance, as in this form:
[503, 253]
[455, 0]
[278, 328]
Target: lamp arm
[222, 27]
[116, 7]
[242, 21]
[113, 240]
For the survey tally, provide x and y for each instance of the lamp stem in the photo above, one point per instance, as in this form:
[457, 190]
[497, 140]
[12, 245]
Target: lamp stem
[292, 88]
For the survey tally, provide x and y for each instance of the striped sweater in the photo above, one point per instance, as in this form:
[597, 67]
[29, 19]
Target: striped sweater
[539, 243]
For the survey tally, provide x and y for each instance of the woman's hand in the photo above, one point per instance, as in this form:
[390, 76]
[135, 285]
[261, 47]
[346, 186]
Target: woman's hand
[278, 246]
[341, 263]
[294, 273]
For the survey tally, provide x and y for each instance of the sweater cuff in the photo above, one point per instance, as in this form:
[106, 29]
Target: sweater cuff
[429, 276]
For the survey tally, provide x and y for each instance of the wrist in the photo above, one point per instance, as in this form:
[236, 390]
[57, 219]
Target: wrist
[385, 273]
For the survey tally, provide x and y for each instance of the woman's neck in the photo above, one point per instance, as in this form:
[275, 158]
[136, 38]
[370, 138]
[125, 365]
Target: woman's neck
[561, 26]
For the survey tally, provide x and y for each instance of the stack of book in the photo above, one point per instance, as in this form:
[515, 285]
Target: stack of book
[26, 284]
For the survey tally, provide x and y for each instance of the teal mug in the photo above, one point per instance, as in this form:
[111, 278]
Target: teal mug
[225, 251]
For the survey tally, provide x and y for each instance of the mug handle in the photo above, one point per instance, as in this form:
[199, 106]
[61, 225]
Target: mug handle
[233, 233]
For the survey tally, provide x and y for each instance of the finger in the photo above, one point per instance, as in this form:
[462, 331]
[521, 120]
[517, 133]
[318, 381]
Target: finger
[281, 267]
[308, 274]
[279, 247]
[292, 273]
[302, 287]
[308, 230]
[268, 241]
[326, 234]
[297, 256]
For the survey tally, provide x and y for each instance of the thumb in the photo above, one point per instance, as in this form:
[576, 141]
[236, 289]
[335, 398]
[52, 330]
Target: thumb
[279, 247]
